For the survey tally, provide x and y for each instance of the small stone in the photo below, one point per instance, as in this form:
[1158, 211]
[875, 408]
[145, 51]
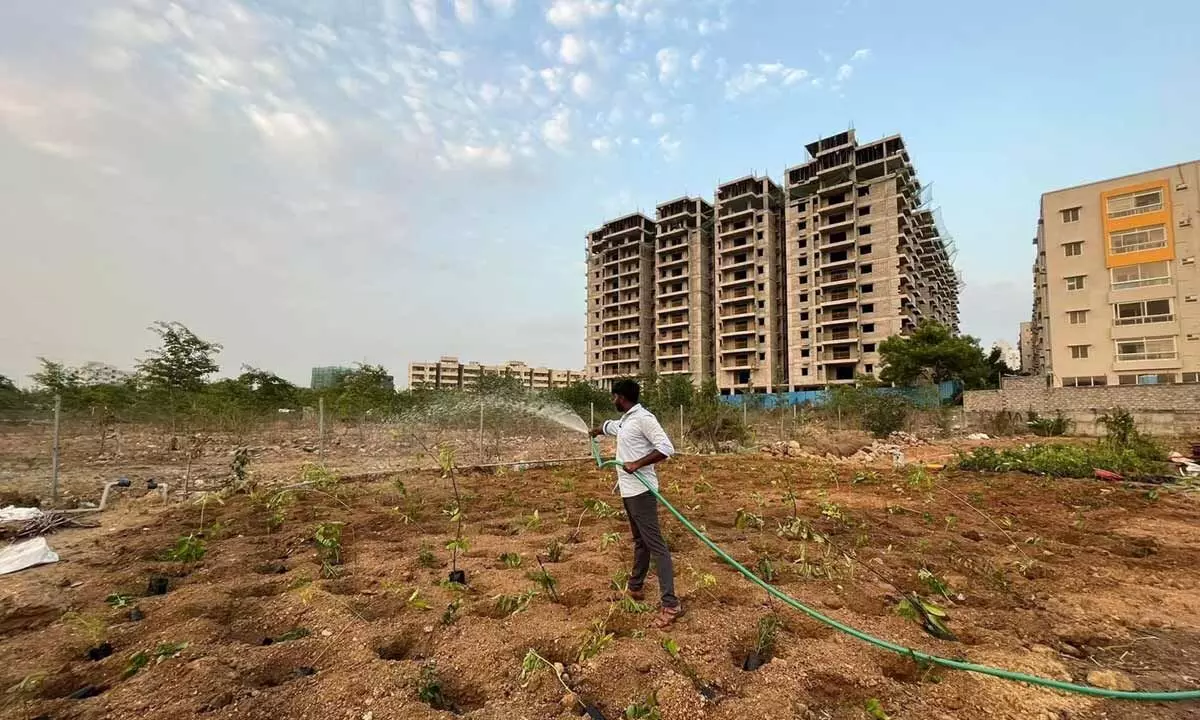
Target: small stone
[368, 715]
[1110, 679]
[326, 633]
[428, 628]
[973, 535]
[833, 603]
[569, 700]
[644, 667]
[558, 668]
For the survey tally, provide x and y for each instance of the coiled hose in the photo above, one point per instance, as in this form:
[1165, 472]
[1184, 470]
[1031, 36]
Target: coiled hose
[1175, 695]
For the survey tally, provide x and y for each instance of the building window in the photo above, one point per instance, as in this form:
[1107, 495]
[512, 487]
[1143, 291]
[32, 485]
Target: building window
[868, 347]
[1072, 249]
[803, 334]
[762, 356]
[1070, 215]
[1075, 282]
[1137, 239]
[803, 297]
[802, 225]
[802, 244]
[1135, 203]
[762, 304]
[803, 260]
[869, 368]
[1077, 317]
[864, 191]
[864, 249]
[804, 352]
[761, 287]
[1085, 381]
[1142, 312]
[1079, 352]
[868, 308]
[1191, 378]
[867, 288]
[803, 316]
[864, 210]
[760, 254]
[802, 206]
[868, 328]
[865, 269]
[1147, 379]
[804, 279]
[762, 338]
[1149, 348]
[1141, 275]
[864, 229]
[804, 371]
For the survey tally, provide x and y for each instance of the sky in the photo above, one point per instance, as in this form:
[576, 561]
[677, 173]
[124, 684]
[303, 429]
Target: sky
[314, 182]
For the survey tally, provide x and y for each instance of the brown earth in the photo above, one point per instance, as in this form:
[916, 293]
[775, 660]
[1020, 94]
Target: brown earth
[1061, 578]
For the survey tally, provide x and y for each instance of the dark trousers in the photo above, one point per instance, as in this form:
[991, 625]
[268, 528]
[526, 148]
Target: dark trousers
[648, 542]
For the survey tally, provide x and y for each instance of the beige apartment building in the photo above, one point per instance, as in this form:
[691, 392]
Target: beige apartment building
[620, 299]
[683, 288]
[751, 331]
[865, 258]
[1025, 347]
[1117, 292]
[450, 374]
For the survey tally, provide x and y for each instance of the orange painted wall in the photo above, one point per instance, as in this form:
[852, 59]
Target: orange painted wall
[1130, 222]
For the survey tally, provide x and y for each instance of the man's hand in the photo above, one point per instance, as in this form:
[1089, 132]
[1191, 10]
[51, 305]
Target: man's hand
[631, 467]
[597, 432]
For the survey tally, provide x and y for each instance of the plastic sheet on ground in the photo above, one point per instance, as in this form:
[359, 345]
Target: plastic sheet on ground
[26, 554]
[12, 513]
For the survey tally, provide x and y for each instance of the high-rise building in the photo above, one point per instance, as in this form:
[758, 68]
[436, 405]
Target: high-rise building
[866, 258]
[1025, 347]
[751, 325]
[328, 376]
[620, 299]
[1117, 291]
[683, 288]
[450, 374]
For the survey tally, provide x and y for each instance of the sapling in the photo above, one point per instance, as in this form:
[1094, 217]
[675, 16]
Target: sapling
[429, 687]
[555, 551]
[609, 539]
[328, 537]
[875, 710]
[415, 601]
[534, 521]
[510, 560]
[118, 601]
[764, 642]
[766, 570]
[425, 557]
[595, 641]
[644, 710]
[545, 580]
[633, 607]
[600, 509]
[744, 520]
[186, 550]
[450, 614]
[513, 604]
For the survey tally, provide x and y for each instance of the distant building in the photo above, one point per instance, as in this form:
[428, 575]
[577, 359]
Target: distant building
[328, 376]
[1009, 355]
[95, 373]
[450, 374]
[1026, 347]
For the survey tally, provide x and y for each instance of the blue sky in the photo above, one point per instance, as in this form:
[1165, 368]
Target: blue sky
[329, 181]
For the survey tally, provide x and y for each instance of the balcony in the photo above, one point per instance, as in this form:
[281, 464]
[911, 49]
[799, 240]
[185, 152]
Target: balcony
[667, 324]
[835, 261]
[840, 355]
[664, 294]
[835, 279]
[843, 242]
[674, 355]
[746, 279]
[835, 186]
[724, 248]
[737, 330]
[840, 337]
[746, 261]
[673, 261]
[831, 227]
[833, 208]
[729, 229]
[841, 297]
[837, 316]
[728, 297]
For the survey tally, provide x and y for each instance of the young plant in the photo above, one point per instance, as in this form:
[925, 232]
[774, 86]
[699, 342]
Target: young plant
[187, 549]
[672, 647]
[875, 710]
[429, 687]
[118, 601]
[766, 570]
[747, 520]
[645, 710]
[555, 551]
[595, 641]
[510, 560]
[765, 635]
[607, 540]
[328, 537]
[619, 581]
[92, 629]
[318, 477]
[450, 614]
[633, 607]
[534, 521]
[459, 545]
[600, 509]
[831, 510]
[415, 601]
[545, 581]
[513, 604]
[425, 557]
[796, 528]
[935, 584]
[275, 508]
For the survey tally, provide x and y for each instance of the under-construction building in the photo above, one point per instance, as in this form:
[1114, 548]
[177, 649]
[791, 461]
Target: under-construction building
[683, 288]
[866, 258]
[750, 319]
[620, 299]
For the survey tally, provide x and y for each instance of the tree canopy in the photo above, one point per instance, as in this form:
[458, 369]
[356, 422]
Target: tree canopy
[182, 362]
[933, 354]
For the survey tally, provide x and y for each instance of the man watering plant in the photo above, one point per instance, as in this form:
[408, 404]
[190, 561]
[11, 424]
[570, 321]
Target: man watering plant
[642, 442]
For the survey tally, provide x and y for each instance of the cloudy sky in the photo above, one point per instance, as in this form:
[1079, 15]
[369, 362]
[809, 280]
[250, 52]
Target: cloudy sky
[330, 181]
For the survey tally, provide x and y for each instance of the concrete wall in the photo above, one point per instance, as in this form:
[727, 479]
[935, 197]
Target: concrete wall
[1158, 409]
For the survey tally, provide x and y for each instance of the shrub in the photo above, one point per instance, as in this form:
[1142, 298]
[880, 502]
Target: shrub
[1048, 427]
[884, 414]
[1059, 460]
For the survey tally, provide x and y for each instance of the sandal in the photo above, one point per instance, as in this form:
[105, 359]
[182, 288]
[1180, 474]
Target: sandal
[666, 616]
[638, 595]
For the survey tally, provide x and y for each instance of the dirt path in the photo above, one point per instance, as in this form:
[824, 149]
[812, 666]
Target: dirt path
[1099, 577]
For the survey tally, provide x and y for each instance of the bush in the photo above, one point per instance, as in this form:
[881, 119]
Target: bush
[884, 414]
[1049, 427]
[1058, 460]
[1005, 423]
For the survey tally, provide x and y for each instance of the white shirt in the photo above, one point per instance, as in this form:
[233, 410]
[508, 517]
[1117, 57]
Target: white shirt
[638, 432]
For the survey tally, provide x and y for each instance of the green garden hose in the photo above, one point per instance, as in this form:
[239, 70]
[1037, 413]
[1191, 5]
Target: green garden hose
[1175, 695]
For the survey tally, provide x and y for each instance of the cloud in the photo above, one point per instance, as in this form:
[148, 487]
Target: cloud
[492, 157]
[572, 49]
[565, 14]
[602, 145]
[464, 10]
[488, 93]
[451, 58]
[556, 131]
[697, 60]
[552, 78]
[583, 85]
[669, 146]
[844, 72]
[504, 8]
[425, 13]
[658, 119]
[862, 54]
[668, 64]
[753, 77]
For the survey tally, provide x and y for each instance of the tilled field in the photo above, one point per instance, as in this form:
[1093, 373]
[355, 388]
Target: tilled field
[1061, 579]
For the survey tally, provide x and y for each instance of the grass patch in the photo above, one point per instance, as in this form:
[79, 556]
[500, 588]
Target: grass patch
[1074, 461]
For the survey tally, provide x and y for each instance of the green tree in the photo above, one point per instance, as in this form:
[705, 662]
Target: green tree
[7, 385]
[582, 397]
[267, 391]
[933, 354]
[180, 365]
[364, 390]
[56, 378]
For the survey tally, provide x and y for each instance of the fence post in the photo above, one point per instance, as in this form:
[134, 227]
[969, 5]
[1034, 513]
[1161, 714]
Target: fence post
[482, 459]
[321, 429]
[592, 417]
[54, 451]
[744, 405]
[681, 423]
[782, 417]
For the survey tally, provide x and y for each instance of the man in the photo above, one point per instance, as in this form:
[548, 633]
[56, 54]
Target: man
[642, 442]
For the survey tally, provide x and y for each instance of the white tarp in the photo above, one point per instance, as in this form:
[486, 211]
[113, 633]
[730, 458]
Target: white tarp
[12, 513]
[25, 554]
